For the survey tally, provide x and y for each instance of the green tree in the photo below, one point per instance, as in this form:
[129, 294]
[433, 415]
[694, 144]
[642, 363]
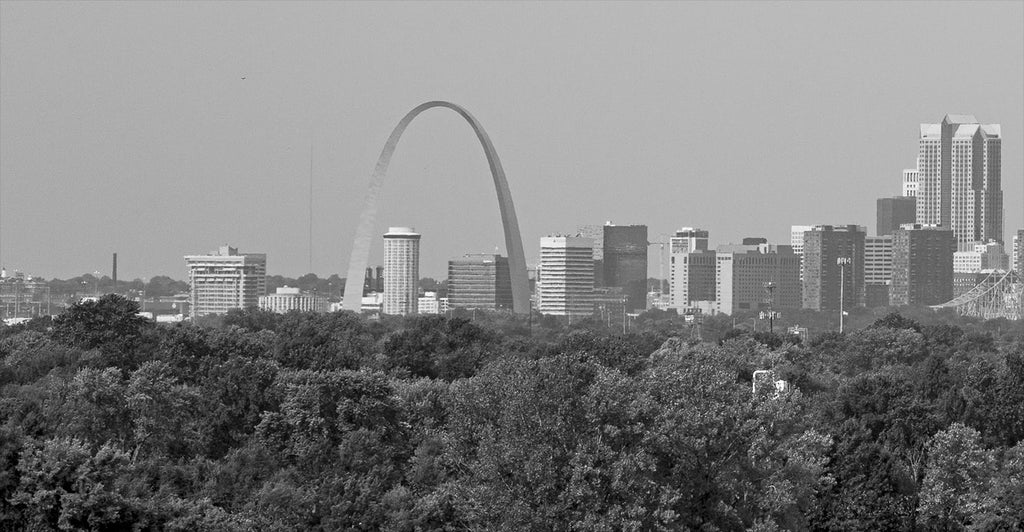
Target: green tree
[956, 483]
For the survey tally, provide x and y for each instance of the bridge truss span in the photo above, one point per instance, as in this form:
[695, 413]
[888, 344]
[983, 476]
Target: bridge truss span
[997, 296]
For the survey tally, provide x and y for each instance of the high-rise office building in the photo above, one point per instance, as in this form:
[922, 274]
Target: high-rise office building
[910, 182]
[877, 270]
[625, 262]
[922, 265]
[596, 233]
[756, 277]
[990, 256]
[287, 299]
[1018, 251]
[225, 279]
[690, 278]
[401, 271]
[373, 283]
[565, 278]
[959, 161]
[479, 281]
[894, 212]
[833, 265]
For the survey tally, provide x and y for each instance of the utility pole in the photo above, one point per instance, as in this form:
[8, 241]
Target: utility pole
[842, 262]
[770, 288]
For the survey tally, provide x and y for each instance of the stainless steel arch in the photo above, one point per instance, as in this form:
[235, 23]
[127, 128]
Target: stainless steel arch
[367, 220]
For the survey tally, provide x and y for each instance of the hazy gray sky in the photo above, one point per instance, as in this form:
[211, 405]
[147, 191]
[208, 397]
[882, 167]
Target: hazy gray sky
[128, 127]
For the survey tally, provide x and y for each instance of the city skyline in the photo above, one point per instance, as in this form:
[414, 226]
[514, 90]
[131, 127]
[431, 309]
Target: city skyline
[645, 131]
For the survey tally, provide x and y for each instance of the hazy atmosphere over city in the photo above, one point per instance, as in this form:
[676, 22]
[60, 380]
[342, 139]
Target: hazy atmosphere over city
[157, 130]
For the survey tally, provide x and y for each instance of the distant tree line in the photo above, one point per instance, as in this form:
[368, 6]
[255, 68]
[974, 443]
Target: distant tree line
[331, 421]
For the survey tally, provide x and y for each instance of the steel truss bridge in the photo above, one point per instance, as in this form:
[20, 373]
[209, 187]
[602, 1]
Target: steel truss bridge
[997, 296]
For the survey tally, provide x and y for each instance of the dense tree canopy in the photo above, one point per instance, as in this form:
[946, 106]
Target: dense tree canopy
[261, 421]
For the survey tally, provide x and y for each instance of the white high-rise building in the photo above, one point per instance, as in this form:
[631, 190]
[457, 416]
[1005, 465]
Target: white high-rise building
[911, 180]
[959, 163]
[691, 268]
[565, 278]
[401, 271]
[225, 279]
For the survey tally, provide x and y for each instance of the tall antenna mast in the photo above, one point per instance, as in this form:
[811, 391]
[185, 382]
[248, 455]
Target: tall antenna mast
[311, 204]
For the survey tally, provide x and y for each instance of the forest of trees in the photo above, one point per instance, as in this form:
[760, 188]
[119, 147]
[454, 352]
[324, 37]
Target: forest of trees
[334, 422]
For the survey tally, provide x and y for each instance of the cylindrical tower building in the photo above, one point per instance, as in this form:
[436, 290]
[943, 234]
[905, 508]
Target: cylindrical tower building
[401, 270]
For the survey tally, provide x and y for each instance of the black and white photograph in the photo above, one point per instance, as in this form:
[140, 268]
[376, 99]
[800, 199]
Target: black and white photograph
[567, 266]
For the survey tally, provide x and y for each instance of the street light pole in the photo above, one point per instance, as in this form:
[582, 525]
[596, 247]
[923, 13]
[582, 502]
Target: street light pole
[842, 262]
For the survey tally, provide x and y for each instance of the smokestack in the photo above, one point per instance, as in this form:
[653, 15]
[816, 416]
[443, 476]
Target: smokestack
[114, 272]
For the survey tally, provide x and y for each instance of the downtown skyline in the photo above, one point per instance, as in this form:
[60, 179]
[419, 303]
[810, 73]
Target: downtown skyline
[197, 157]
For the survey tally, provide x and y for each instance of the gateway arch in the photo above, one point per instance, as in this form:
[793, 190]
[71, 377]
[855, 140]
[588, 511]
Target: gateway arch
[367, 220]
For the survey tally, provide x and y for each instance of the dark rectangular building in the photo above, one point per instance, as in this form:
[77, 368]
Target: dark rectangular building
[479, 281]
[625, 262]
[894, 212]
[922, 265]
[824, 277]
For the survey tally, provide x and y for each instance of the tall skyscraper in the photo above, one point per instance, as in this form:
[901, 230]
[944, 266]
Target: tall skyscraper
[877, 270]
[565, 279]
[796, 237]
[744, 274]
[401, 271]
[479, 281]
[225, 279]
[824, 277]
[894, 212]
[691, 268]
[922, 265]
[911, 179]
[625, 262]
[960, 188]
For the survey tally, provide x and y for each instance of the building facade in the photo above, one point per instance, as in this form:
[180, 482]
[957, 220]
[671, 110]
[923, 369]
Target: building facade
[959, 161]
[479, 281]
[891, 213]
[565, 277]
[286, 299]
[877, 270]
[990, 256]
[225, 279]
[922, 265]
[625, 262]
[690, 279]
[756, 277]
[910, 182]
[824, 278]
[401, 271]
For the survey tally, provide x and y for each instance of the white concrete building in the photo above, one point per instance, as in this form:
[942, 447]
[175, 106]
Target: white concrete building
[990, 256]
[287, 298]
[225, 279]
[565, 282]
[911, 181]
[401, 271]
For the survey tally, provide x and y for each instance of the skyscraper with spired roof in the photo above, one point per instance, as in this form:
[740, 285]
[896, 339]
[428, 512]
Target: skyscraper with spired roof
[959, 165]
